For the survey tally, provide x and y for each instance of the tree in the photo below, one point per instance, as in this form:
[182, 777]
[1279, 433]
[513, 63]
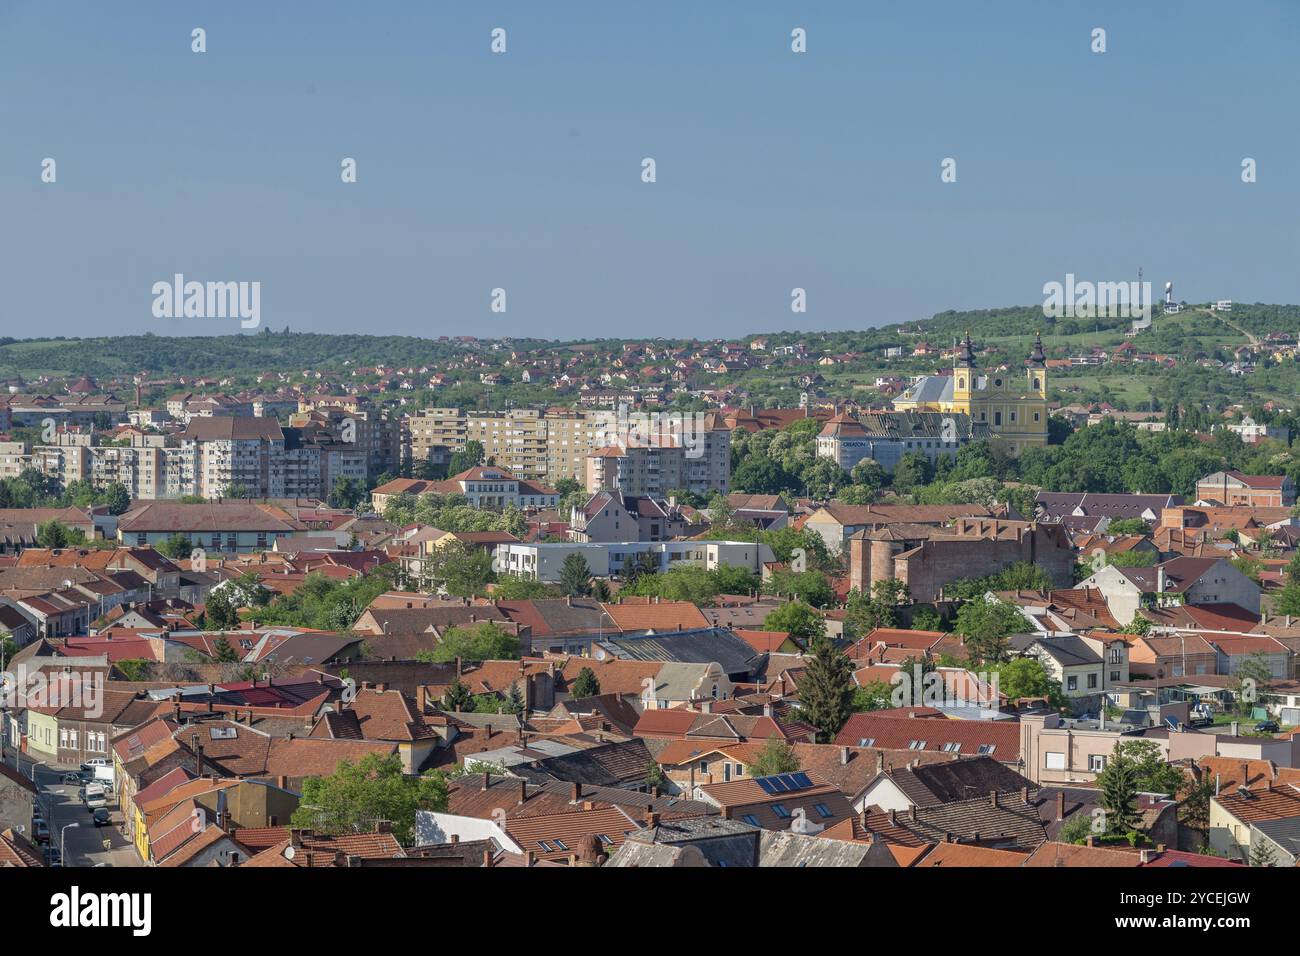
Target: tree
[458, 568]
[220, 613]
[1250, 680]
[926, 618]
[463, 460]
[176, 547]
[1076, 829]
[1262, 852]
[1026, 677]
[225, 654]
[876, 695]
[1119, 793]
[356, 795]
[800, 621]
[912, 471]
[986, 625]
[1152, 773]
[654, 776]
[775, 756]
[760, 475]
[457, 697]
[826, 688]
[1124, 526]
[346, 492]
[575, 575]
[811, 587]
[720, 511]
[585, 684]
[474, 642]
[116, 497]
[56, 534]
[513, 588]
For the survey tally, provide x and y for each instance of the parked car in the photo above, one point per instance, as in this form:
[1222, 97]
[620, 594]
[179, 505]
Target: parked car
[73, 779]
[1267, 727]
[101, 817]
[95, 800]
[94, 762]
[53, 857]
[42, 831]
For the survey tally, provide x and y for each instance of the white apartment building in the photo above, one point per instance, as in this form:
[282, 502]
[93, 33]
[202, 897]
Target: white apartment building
[542, 561]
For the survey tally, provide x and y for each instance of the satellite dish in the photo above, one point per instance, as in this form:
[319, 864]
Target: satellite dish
[289, 852]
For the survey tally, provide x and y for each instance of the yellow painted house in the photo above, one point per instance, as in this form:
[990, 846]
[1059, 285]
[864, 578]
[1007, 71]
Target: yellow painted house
[1014, 409]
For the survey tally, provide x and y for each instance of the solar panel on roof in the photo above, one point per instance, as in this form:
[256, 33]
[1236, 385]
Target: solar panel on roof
[801, 779]
[765, 783]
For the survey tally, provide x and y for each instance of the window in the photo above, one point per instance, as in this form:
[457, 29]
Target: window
[986, 750]
[866, 741]
[1072, 682]
[916, 745]
[1096, 763]
[704, 766]
[823, 811]
[780, 810]
[1114, 675]
[1092, 680]
[997, 418]
[546, 847]
[751, 820]
[951, 747]
[1054, 761]
[559, 844]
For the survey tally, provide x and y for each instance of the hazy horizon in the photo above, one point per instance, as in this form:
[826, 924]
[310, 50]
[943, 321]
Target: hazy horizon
[522, 170]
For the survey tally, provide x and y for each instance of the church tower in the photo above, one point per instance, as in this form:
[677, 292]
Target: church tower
[1036, 368]
[963, 375]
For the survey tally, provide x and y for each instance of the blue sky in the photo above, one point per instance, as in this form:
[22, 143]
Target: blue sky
[522, 170]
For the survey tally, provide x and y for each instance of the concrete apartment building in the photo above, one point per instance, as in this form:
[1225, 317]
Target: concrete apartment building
[552, 444]
[219, 452]
[348, 420]
[659, 470]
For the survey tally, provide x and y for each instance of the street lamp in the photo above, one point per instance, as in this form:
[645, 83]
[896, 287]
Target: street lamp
[63, 842]
[600, 633]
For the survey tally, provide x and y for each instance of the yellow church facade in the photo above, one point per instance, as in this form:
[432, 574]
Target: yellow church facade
[1013, 408]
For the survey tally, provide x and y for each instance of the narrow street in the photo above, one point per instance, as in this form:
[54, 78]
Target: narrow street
[72, 830]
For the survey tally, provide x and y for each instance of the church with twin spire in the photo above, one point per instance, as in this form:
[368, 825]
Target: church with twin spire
[1013, 408]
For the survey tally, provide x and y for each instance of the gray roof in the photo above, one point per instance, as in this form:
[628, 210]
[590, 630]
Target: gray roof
[929, 389]
[1056, 504]
[609, 765]
[784, 848]
[1068, 651]
[726, 843]
[699, 646]
[1285, 832]
[932, 784]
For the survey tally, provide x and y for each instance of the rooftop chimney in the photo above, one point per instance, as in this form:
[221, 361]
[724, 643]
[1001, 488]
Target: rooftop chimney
[993, 799]
[1060, 805]
[844, 755]
[523, 790]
